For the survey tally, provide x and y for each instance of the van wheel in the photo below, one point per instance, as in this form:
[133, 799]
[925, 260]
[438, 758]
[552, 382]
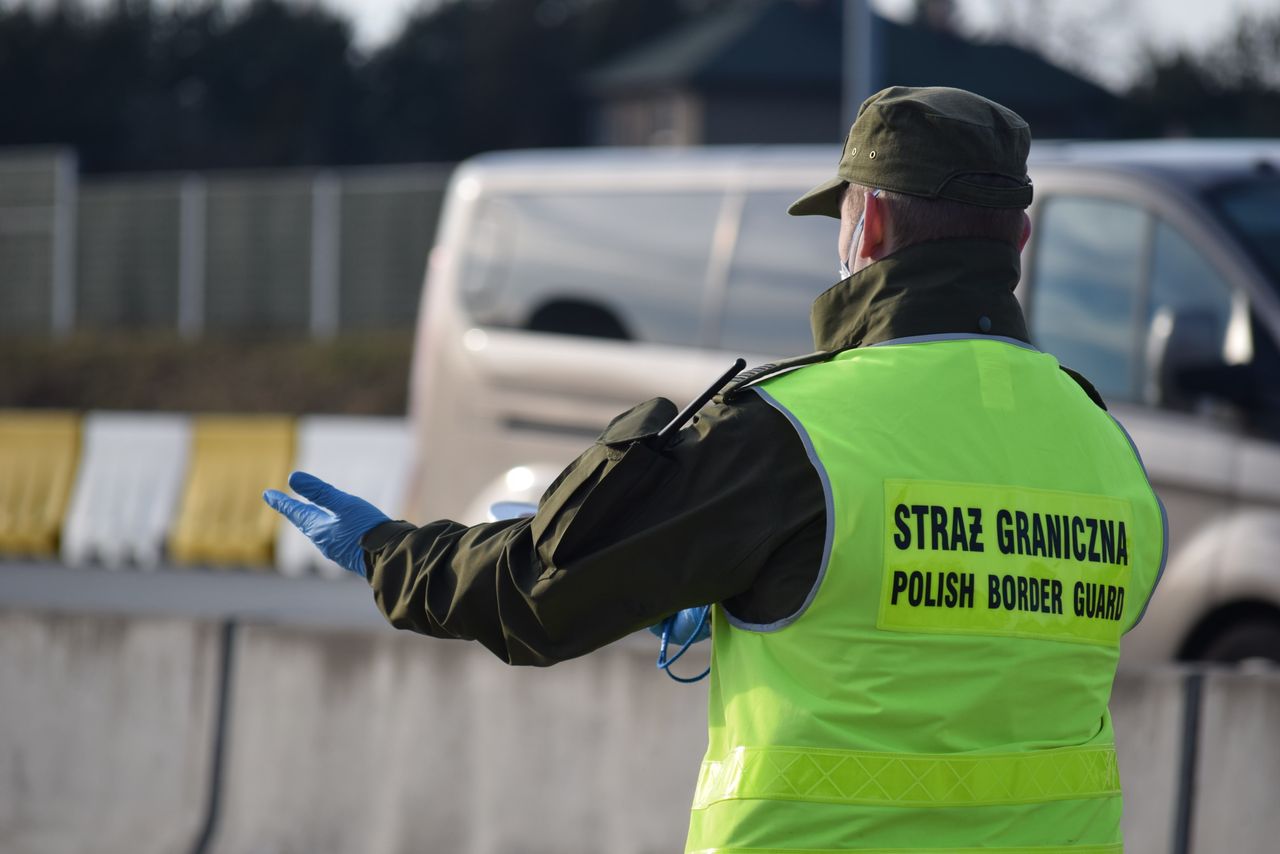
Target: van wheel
[1251, 640]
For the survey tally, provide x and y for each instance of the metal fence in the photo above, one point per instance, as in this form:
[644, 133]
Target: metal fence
[37, 221]
[312, 252]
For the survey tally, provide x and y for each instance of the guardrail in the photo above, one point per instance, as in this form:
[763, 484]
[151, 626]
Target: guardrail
[141, 489]
[140, 734]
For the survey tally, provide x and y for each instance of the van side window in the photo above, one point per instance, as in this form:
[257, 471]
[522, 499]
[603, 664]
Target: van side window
[1192, 324]
[1086, 292]
[780, 265]
[606, 264]
[1183, 281]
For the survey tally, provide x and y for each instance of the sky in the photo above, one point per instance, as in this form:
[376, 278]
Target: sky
[1105, 39]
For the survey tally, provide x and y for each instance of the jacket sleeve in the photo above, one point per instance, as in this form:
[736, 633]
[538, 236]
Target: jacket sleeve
[628, 534]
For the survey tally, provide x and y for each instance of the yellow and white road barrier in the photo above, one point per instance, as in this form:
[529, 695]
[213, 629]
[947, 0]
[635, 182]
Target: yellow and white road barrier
[140, 490]
[38, 455]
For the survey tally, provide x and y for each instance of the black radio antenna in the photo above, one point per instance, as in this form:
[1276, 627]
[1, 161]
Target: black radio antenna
[700, 401]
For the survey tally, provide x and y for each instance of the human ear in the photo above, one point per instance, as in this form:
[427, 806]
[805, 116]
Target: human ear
[873, 227]
[1026, 231]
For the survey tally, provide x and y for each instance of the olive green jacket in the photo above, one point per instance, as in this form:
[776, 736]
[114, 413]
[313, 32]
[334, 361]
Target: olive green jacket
[731, 510]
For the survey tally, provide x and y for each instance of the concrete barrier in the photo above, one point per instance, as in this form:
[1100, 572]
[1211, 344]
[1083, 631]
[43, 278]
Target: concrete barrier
[344, 742]
[1237, 783]
[1147, 711]
[600, 757]
[382, 743]
[354, 742]
[105, 733]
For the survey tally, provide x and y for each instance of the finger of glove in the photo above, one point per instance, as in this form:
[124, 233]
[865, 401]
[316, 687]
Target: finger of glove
[316, 490]
[304, 516]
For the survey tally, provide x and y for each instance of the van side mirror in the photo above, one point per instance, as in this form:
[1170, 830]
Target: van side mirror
[1184, 348]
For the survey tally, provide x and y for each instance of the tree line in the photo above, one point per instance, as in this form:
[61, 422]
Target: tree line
[137, 86]
[269, 83]
[1230, 89]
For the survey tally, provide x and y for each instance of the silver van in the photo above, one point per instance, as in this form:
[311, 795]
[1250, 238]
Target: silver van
[565, 286]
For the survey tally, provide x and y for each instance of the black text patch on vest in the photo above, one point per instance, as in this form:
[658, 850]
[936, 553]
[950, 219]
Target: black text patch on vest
[1004, 560]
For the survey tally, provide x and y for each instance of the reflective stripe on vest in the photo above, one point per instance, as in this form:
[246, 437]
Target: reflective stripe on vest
[917, 780]
[1052, 849]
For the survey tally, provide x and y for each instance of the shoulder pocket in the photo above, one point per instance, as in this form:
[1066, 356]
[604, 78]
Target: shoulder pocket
[588, 504]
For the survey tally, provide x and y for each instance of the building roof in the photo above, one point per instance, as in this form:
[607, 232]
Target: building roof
[789, 44]
[765, 43]
[1019, 78]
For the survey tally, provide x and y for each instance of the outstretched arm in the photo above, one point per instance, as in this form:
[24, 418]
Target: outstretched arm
[628, 534]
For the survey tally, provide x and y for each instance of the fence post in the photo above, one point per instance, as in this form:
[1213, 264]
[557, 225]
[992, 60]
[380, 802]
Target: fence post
[326, 252]
[1193, 690]
[858, 62]
[192, 212]
[62, 309]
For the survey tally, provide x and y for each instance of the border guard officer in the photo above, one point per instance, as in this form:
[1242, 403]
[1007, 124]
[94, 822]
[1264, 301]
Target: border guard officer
[924, 540]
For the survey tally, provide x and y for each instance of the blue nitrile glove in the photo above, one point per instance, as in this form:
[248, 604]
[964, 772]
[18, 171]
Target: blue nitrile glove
[334, 521]
[683, 627]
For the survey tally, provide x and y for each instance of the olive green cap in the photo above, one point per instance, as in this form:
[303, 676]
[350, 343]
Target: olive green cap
[925, 142]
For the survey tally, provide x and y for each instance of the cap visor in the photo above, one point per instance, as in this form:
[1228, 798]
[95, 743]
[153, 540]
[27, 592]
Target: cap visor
[823, 200]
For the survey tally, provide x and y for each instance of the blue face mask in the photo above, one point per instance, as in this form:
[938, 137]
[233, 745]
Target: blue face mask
[845, 272]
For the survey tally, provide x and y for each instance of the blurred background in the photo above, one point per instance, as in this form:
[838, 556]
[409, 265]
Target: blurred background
[238, 238]
[181, 177]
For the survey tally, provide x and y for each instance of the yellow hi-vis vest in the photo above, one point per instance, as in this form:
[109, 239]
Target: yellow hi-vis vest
[991, 534]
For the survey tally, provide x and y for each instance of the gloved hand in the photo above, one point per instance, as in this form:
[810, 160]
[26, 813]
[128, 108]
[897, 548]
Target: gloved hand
[684, 625]
[334, 521]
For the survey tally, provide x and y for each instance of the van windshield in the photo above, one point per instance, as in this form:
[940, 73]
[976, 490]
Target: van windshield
[1252, 210]
[606, 264]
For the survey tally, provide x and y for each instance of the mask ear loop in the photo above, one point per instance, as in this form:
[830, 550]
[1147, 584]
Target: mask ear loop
[845, 269]
[664, 663]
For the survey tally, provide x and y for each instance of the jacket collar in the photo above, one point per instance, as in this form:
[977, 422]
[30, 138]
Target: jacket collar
[943, 286]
